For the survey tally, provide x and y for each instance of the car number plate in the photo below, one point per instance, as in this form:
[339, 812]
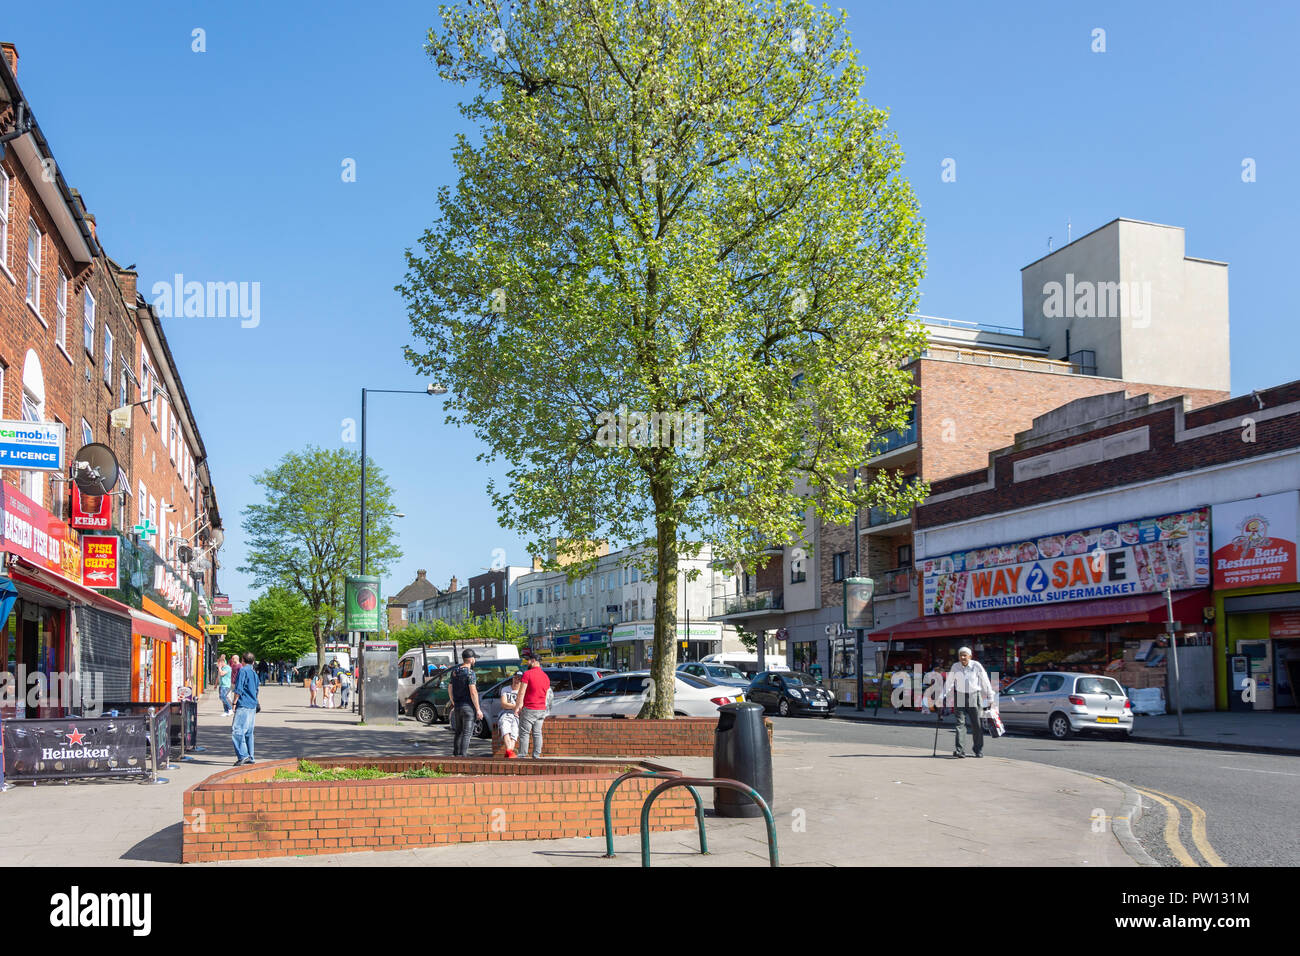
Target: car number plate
[1108, 720]
[819, 703]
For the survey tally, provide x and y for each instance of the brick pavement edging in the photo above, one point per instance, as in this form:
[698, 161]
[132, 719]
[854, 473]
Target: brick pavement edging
[242, 813]
[614, 737]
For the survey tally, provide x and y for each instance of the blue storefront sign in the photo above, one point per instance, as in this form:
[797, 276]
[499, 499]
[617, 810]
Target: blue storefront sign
[32, 446]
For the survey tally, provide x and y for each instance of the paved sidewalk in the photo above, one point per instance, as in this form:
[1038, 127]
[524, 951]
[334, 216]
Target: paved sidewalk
[835, 804]
[1264, 732]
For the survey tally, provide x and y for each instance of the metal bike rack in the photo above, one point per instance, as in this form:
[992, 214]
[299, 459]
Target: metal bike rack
[609, 799]
[714, 782]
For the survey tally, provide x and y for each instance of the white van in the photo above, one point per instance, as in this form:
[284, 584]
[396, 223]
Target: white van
[746, 663]
[432, 658]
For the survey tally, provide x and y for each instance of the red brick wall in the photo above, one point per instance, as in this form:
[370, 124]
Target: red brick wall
[21, 330]
[241, 814]
[612, 737]
[967, 411]
[1165, 457]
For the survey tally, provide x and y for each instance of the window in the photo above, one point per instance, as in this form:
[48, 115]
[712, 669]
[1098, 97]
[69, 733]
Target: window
[142, 504]
[121, 392]
[108, 358]
[173, 434]
[34, 266]
[798, 571]
[494, 590]
[636, 575]
[153, 511]
[838, 565]
[1050, 682]
[4, 219]
[905, 556]
[61, 312]
[88, 323]
[86, 435]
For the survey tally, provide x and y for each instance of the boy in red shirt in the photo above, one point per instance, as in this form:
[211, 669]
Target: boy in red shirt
[531, 705]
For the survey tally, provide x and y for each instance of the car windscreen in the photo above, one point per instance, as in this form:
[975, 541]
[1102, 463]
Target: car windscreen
[1098, 685]
[797, 678]
[726, 673]
[690, 680]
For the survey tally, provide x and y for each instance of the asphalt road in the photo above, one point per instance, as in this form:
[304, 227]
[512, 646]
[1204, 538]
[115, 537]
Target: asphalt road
[1237, 808]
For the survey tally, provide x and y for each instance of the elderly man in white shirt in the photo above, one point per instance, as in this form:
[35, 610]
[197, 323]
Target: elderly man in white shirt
[968, 690]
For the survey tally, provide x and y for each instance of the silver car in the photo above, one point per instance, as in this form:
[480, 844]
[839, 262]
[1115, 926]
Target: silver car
[724, 674]
[1063, 703]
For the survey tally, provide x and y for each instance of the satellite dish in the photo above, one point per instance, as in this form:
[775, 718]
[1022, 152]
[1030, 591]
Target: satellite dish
[217, 537]
[94, 469]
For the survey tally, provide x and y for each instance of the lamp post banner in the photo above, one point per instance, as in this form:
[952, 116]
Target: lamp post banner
[363, 605]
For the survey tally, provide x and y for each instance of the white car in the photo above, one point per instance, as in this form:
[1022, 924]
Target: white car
[622, 695]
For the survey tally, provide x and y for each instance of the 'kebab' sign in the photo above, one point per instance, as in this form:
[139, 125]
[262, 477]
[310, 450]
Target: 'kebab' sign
[1132, 557]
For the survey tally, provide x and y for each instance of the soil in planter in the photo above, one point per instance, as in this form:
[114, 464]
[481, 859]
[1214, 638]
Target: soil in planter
[309, 770]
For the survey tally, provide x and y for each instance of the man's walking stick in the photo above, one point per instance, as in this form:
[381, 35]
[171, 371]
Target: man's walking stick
[938, 715]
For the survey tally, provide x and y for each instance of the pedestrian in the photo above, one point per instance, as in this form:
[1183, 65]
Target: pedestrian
[246, 708]
[345, 689]
[312, 683]
[328, 687]
[968, 691]
[235, 665]
[508, 722]
[463, 691]
[223, 685]
[533, 703]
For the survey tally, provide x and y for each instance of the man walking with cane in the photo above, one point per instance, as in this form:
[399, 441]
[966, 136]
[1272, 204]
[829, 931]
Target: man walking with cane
[968, 690]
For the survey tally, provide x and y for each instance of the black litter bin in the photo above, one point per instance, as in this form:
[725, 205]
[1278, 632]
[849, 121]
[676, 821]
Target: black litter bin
[741, 752]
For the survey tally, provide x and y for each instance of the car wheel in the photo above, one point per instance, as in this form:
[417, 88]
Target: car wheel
[426, 714]
[1059, 726]
[483, 729]
[783, 708]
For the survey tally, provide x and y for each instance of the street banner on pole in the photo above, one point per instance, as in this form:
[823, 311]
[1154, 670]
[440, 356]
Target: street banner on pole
[362, 603]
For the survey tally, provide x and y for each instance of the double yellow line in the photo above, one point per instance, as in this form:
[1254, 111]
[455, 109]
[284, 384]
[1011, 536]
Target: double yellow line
[1172, 820]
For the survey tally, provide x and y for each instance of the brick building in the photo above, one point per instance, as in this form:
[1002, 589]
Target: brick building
[1057, 552]
[70, 341]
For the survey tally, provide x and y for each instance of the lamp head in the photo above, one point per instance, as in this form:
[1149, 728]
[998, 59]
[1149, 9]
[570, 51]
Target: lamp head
[435, 388]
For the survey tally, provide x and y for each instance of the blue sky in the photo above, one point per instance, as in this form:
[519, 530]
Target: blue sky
[225, 165]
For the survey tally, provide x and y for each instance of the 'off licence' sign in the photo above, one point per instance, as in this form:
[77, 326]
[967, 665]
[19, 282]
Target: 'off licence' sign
[32, 446]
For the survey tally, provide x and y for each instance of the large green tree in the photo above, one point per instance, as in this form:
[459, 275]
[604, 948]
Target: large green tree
[280, 626]
[670, 287]
[305, 537]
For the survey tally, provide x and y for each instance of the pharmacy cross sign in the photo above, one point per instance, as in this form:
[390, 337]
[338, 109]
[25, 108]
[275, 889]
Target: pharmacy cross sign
[145, 529]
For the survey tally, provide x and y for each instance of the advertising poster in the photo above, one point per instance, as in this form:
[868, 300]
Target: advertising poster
[1142, 556]
[362, 603]
[1255, 541]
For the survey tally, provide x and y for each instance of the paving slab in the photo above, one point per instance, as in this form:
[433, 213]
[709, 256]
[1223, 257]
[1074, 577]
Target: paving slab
[835, 804]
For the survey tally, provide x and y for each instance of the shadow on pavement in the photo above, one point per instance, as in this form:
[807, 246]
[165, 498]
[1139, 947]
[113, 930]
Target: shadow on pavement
[162, 847]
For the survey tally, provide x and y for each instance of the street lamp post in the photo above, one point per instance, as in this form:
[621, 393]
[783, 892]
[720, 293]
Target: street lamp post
[430, 389]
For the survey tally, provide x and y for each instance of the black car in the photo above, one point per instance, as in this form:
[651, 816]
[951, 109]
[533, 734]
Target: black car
[791, 692]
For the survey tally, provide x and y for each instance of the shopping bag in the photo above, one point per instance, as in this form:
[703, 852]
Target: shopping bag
[993, 723]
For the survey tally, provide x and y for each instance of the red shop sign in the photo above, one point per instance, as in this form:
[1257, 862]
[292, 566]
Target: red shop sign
[94, 512]
[99, 560]
[32, 533]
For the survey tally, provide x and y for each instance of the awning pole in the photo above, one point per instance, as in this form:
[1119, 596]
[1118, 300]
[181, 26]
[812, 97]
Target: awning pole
[1172, 627]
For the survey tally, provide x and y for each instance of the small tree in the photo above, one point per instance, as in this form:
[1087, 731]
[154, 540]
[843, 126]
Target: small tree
[306, 536]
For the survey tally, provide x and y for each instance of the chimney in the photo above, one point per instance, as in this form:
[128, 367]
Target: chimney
[419, 575]
[11, 57]
[537, 563]
[90, 218]
[452, 586]
[126, 280]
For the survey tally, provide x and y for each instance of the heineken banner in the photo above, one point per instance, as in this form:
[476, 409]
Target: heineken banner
[71, 747]
[362, 596]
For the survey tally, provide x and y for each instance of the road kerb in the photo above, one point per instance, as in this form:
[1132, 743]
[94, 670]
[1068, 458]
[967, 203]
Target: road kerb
[1130, 812]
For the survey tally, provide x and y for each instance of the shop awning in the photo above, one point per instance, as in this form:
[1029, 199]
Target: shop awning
[146, 625]
[27, 573]
[1136, 609]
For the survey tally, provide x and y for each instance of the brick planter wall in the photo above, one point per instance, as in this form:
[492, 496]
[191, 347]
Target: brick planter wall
[614, 737]
[242, 813]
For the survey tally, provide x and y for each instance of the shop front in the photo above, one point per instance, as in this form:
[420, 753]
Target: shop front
[632, 644]
[1257, 601]
[55, 634]
[1091, 600]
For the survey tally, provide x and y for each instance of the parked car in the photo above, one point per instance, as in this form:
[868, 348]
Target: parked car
[621, 695]
[565, 682]
[429, 702]
[791, 692]
[725, 674]
[1063, 703]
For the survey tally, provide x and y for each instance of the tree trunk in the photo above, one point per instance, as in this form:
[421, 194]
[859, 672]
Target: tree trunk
[663, 671]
